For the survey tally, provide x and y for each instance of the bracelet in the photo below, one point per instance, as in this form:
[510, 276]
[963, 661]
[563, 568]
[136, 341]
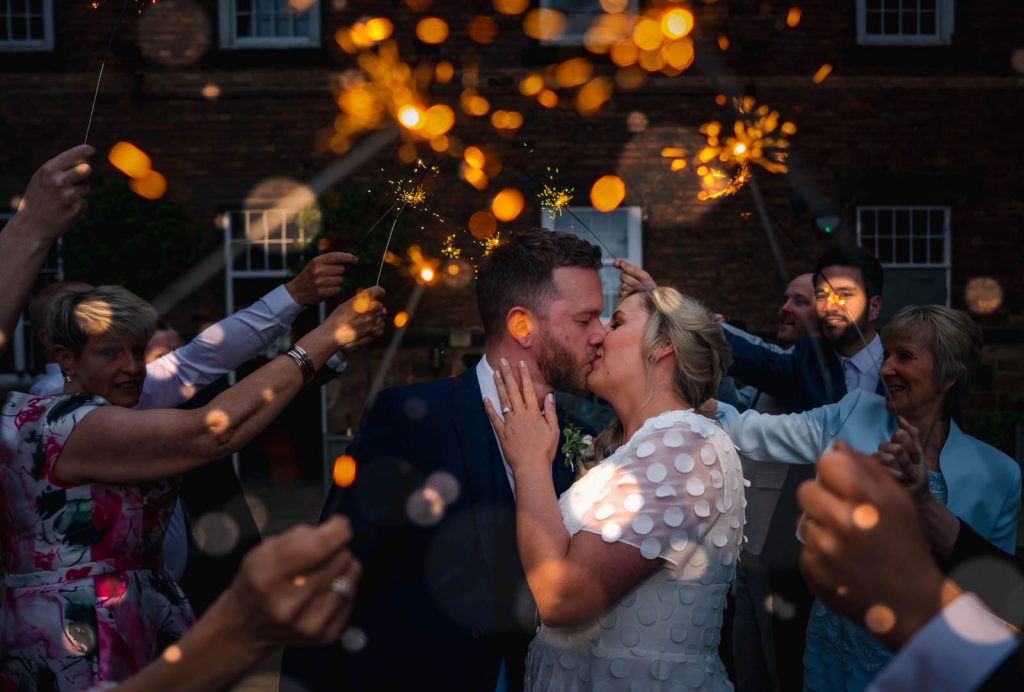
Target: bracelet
[301, 358]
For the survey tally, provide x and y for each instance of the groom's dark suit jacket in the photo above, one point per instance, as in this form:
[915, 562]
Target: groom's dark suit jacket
[442, 600]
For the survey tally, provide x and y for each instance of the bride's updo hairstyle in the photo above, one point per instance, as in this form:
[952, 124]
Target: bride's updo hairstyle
[702, 355]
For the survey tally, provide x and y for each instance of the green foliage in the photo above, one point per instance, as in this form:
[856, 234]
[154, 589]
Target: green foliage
[998, 429]
[134, 242]
[346, 215]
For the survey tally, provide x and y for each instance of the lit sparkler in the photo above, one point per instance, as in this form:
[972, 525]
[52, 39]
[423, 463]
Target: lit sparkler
[554, 198]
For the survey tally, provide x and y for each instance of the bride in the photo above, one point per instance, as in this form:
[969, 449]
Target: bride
[630, 567]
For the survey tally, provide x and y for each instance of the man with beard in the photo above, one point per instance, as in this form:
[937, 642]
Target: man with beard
[443, 600]
[817, 371]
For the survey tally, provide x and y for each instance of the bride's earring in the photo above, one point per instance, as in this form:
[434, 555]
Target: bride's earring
[67, 378]
[652, 358]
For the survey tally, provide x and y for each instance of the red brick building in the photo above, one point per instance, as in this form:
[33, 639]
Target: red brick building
[908, 138]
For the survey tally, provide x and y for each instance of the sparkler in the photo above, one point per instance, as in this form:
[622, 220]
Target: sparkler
[103, 63]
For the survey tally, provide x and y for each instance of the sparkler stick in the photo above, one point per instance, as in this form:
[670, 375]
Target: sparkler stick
[99, 79]
[596, 237]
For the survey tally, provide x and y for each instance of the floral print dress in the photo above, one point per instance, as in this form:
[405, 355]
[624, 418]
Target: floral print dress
[86, 598]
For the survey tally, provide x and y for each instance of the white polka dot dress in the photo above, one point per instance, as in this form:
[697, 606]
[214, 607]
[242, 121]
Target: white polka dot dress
[675, 493]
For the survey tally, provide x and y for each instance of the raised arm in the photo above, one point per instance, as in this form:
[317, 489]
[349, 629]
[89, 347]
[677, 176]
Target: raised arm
[795, 438]
[118, 445]
[760, 365]
[238, 338]
[55, 199]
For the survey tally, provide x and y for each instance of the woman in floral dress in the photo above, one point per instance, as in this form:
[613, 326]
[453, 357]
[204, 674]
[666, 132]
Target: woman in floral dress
[87, 486]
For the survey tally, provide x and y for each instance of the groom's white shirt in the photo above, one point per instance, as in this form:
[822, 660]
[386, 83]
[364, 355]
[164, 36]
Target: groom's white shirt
[485, 377]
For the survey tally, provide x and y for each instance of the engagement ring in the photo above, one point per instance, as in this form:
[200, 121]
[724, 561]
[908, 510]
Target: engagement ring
[341, 586]
[505, 411]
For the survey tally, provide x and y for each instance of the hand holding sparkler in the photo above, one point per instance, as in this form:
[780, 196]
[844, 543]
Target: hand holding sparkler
[57, 196]
[359, 320]
[632, 278]
[320, 279]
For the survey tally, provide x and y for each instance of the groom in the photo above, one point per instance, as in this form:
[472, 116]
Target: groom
[443, 601]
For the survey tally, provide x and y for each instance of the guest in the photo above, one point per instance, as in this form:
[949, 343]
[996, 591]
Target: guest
[296, 587]
[945, 639]
[631, 566]
[86, 488]
[931, 353]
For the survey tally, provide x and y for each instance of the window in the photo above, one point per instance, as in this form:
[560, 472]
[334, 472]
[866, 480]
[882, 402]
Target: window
[904, 22]
[269, 23]
[579, 15]
[26, 25]
[912, 243]
[617, 232]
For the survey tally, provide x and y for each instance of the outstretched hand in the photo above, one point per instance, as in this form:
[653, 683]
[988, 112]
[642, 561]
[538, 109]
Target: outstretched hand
[320, 279]
[632, 277]
[358, 320]
[57, 196]
[528, 439]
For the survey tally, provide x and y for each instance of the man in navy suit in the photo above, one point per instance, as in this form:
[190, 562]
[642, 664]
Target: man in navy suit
[817, 371]
[443, 601]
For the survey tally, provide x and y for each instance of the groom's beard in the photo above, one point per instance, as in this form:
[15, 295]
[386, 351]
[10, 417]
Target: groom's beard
[561, 371]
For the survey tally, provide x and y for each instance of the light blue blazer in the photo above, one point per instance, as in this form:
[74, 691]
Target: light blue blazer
[982, 482]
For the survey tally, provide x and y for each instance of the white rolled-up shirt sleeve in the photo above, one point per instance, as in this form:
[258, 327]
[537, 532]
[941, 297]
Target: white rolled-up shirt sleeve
[957, 650]
[217, 350]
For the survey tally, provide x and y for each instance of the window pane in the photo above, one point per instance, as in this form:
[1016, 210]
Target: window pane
[919, 226]
[902, 255]
[891, 23]
[885, 222]
[901, 222]
[920, 251]
[937, 254]
[37, 29]
[910, 23]
[19, 29]
[928, 23]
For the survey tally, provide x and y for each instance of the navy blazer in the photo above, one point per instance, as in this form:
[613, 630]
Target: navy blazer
[443, 599]
[807, 377]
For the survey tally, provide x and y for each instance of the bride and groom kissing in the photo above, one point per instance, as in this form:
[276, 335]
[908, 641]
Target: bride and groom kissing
[470, 523]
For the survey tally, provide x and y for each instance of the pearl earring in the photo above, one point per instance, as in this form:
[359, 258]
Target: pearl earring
[67, 378]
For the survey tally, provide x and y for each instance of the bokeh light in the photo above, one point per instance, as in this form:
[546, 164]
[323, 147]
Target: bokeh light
[344, 472]
[547, 98]
[544, 24]
[879, 619]
[216, 421]
[482, 29]
[983, 295]
[865, 516]
[379, 28]
[411, 117]
[353, 640]
[511, 7]
[573, 72]
[677, 22]
[151, 186]
[174, 33]
[401, 319]
[482, 225]
[446, 485]
[531, 84]
[172, 654]
[793, 17]
[519, 325]
[823, 72]
[211, 91]
[507, 204]
[607, 193]
[425, 507]
[432, 30]
[216, 533]
[130, 160]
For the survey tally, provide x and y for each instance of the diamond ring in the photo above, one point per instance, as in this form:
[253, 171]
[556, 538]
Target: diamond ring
[506, 410]
[341, 586]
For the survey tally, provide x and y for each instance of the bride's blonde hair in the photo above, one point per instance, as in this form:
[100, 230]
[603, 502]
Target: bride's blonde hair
[702, 355]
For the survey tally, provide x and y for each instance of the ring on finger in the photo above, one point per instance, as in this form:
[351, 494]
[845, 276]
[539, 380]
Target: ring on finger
[505, 410]
[342, 586]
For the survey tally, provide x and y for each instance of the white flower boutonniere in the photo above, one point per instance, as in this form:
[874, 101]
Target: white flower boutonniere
[575, 446]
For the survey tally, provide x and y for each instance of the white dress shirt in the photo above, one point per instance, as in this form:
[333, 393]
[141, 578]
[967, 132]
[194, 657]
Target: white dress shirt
[485, 377]
[860, 371]
[957, 650]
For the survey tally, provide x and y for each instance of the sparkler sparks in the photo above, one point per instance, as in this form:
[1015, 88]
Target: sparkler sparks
[554, 198]
[757, 138]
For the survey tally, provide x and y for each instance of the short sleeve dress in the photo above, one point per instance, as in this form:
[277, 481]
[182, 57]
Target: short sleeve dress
[86, 599]
[674, 492]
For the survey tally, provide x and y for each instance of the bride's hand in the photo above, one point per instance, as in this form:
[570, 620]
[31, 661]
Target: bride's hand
[527, 438]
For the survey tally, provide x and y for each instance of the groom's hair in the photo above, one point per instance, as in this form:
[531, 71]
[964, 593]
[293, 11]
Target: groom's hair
[520, 272]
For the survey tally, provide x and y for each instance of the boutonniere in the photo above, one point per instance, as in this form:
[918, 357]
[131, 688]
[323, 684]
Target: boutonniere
[575, 446]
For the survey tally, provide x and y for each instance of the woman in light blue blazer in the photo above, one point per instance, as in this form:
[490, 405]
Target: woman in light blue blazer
[931, 352]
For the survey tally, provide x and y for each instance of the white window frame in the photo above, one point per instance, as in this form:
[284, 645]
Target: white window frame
[230, 40]
[945, 264]
[943, 28]
[634, 240]
[19, 45]
[575, 38]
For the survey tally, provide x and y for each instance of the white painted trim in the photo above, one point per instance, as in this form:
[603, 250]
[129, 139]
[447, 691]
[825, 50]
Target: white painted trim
[230, 41]
[943, 35]
[34, 45]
